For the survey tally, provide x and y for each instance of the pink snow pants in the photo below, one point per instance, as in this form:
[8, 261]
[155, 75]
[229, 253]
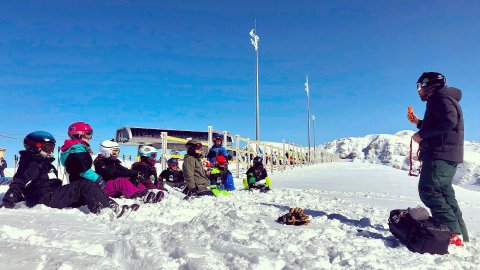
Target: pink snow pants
[122, 186]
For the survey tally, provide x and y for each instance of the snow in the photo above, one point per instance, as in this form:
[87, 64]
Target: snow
[394, 151]
[348, 202]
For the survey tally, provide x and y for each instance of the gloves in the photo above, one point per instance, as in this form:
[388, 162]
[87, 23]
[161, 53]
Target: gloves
[251, 179]
[136, 178]
[260, 183]
[100, 182]
[9, 205]
[294, 217]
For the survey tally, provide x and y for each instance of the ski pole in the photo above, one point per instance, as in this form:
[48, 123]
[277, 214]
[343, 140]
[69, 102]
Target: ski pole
[16, 161]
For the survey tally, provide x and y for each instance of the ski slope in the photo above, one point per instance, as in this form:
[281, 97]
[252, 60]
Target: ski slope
[348, 202]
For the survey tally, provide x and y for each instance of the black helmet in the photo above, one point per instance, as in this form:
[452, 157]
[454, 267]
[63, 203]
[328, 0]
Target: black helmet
[431, 81]
[172, 161]
[40, 141]
[257, 161]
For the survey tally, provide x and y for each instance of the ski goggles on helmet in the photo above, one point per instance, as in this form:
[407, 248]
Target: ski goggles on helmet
[198, 146]
[46, 147]
[152, 155]
[115, 152]
[420, 86]
[88, 134]
[222, 163]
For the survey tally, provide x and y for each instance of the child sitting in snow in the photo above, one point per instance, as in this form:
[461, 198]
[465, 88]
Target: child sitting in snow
[146, 168]
[120, 180]
[173, 175]
[220, 176]
[36, 180]
[257, 177]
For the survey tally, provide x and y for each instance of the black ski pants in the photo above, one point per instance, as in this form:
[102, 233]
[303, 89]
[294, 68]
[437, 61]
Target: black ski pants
[79, 193]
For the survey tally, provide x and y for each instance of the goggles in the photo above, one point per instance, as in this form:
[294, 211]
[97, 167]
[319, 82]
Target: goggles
[88, 134]
[222, 164]
[153, 155]
[420, 86]
[46, 147]
[198, 146]
[115, 152]
[174, 164]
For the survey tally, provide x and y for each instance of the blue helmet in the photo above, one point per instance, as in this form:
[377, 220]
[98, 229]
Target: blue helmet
[40, 142]
[172, 161]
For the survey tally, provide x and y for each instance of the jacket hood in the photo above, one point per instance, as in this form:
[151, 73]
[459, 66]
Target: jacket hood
[451, 91]
[68, 143]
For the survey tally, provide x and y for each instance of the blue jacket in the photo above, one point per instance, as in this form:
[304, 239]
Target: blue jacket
[223, 175]
[215, 151]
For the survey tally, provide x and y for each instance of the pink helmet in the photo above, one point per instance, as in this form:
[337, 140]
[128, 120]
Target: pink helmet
[79, 130]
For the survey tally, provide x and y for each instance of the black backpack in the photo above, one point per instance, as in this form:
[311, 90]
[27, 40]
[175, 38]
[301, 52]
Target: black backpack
[417, 230]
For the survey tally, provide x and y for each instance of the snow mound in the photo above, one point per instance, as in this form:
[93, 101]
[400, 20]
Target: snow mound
[394, 151]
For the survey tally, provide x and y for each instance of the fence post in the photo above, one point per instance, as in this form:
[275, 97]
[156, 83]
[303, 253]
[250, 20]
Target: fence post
[248, 152]
[237, 151]
[209, 142]
[164, 150]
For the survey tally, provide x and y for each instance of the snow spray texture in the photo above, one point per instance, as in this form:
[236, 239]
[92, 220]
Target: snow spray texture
[416, 230]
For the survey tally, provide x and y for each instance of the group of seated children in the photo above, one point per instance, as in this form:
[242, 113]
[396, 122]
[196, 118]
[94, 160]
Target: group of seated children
[36, 180]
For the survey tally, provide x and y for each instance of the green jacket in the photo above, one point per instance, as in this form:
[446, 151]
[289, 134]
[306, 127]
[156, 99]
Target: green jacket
[194, 173]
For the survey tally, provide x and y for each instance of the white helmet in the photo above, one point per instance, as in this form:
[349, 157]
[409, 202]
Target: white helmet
[148, 151]
[109, 149]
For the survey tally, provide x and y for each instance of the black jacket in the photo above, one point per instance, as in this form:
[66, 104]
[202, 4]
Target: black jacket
[111, 168]
[441, 129]
[32, 180]
[259, 172]
[173, 178]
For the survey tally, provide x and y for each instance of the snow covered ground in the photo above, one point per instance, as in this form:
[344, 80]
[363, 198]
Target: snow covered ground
[394, 150]
[348, 202]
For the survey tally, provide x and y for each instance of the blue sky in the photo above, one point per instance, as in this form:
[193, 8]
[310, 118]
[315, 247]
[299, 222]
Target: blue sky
[190, 64]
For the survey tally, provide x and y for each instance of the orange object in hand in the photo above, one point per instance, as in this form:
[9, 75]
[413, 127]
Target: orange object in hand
[410, 112]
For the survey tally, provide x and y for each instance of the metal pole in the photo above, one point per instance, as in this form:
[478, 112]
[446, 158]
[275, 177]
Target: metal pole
[308, 115]
[257, 137]
[314, 141]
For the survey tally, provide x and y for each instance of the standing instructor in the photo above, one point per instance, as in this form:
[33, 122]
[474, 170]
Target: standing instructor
[440, 137]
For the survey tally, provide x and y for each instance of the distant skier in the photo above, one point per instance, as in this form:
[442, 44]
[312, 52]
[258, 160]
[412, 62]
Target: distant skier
[194, 171]
[120, 180]
[220, 176]
[217, 149]
[3, 166]
[441, 139]
[257, 177]
[36, 180]
[173, 175]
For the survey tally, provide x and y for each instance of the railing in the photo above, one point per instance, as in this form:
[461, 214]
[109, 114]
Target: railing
[276, 156]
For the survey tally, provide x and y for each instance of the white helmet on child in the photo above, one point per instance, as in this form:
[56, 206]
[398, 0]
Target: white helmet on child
[148, 151]
[109, 148]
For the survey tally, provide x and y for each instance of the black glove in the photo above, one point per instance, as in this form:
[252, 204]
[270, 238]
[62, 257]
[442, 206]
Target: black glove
[9, 205]
[140, 178]
[100, 182]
